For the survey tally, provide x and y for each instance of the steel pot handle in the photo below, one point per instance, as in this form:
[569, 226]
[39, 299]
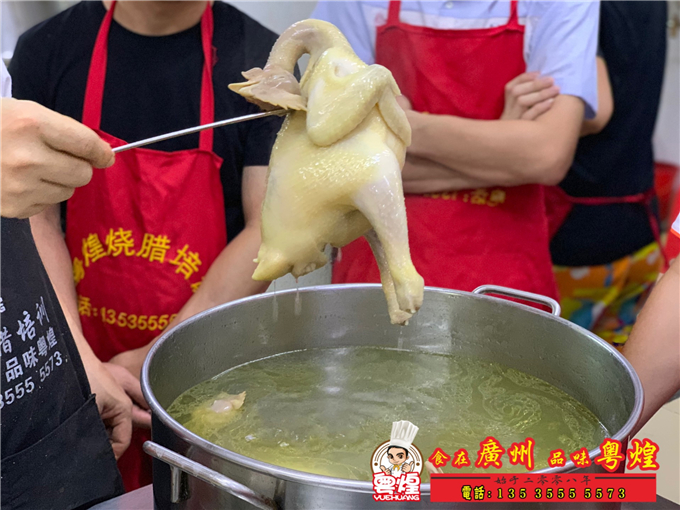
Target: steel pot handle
[179, 463]
[520, 294]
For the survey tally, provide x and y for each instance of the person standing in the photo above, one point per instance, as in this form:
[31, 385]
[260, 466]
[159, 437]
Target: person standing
[474, 200]
[171, 229]
[604, 220]
[56, 450]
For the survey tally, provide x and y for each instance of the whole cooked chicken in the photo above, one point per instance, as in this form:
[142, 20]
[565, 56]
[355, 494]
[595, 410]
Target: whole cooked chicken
[335, 169]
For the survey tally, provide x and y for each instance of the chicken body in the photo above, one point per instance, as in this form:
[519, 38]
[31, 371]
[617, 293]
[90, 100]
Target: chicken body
[335, 169]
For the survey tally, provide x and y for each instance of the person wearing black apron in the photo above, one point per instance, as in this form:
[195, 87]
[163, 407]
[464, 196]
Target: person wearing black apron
[605, 245]
[56, 452]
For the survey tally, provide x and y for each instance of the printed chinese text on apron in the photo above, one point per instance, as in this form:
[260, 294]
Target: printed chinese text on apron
[143, 233]
[462, 239]
[55, 449]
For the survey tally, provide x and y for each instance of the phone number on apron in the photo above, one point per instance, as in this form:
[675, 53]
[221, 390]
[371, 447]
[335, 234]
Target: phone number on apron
[123, 319]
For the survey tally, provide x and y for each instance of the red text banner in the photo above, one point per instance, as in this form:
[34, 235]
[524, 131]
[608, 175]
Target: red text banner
[532, 487]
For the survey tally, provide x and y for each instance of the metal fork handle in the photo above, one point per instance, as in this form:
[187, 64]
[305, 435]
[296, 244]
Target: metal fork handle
[179, 463]
[196, 129]
[520, 294]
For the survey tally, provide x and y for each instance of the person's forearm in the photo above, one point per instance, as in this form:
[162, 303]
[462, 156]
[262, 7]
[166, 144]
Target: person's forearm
[654, 344]
[229, 276]
[87, 355]
[49, 239]
[425, 176]
[502, 152]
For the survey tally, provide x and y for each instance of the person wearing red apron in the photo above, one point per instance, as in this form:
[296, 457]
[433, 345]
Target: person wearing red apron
[139, 261]
[461, 238]
[603, 223]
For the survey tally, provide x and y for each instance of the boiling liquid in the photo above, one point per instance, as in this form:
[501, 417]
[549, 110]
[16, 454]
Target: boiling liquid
[325, 411]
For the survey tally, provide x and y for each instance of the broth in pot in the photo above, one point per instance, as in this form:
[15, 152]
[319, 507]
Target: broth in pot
[324, 411]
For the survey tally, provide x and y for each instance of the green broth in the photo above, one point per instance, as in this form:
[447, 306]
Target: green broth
[325, 411]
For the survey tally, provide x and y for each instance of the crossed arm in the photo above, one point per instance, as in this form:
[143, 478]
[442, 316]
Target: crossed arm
[451, 152]
[534, 141]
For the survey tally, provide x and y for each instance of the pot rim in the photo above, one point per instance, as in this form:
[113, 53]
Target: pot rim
[292, 475]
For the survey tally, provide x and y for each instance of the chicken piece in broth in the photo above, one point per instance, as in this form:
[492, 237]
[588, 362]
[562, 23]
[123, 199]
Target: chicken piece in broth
[215, 413]
[335, 169]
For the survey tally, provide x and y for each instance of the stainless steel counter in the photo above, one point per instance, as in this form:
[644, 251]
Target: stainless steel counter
[142, 499]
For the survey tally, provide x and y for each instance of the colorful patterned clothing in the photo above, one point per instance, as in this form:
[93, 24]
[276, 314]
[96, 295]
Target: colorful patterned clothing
[606, 299]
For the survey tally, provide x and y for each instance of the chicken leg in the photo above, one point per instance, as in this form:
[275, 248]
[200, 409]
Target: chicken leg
[335, 170]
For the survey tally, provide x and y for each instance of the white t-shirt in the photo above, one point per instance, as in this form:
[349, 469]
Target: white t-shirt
[6, 85]
[675, 228]
[561, 36]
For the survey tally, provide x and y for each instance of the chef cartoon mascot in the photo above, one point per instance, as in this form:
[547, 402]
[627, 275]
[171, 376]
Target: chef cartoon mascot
[403, 434]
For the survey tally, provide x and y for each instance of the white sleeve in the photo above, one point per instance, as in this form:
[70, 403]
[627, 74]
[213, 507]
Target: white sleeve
[350, 18]
[563, 44]
[6, 85]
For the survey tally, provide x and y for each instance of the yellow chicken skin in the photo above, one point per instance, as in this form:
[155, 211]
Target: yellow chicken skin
[335, 169]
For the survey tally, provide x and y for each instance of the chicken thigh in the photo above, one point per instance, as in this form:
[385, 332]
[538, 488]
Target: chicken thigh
[335, 169]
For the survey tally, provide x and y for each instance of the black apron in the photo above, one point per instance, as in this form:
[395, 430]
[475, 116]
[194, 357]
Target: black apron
[55, 450]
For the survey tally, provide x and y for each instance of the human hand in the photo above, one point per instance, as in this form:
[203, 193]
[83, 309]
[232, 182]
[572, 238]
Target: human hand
[132, 360]
[114, 406]
[45, 156]
[528, 96]
[141, 417]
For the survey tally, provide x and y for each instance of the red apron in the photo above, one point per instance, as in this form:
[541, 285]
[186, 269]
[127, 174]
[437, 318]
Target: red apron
[462, 239]
[143, 233]
[559, 204]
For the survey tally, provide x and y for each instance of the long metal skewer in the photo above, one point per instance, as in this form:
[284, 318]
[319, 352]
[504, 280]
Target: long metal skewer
[195, 129]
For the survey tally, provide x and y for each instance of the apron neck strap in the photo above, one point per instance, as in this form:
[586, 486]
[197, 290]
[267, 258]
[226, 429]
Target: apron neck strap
[514, 17]
[207, 92]
[94, 90]
[393, 12]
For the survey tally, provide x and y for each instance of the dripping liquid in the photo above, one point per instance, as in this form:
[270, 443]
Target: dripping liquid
[275, 303]
[298, 302]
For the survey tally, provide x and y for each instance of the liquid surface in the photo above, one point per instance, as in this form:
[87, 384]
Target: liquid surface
[325, 411]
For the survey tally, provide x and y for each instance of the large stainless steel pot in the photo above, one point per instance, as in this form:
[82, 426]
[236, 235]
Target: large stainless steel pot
[191, 473]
